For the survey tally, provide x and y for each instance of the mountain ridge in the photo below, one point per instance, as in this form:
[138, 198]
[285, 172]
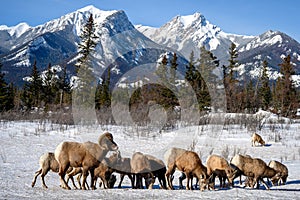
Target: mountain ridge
[56, 42]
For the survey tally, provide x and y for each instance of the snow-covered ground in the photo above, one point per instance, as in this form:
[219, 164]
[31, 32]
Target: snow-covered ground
[22, 143]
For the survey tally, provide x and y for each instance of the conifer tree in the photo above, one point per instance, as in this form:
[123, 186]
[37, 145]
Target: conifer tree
[207, 64]
[162, 70]
[64, 87]
[32, 89]
[5, 101]
[285, 88]
[86, 84]
[265, 94]
[230, 81]
[173, 69]
[50, 86]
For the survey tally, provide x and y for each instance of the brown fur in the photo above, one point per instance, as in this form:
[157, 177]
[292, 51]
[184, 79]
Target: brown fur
[257, 138]
[87, 155]
[105, 169]
[170, 157]
[219, 166]
[47, 162]
[189, 163]
[281, 169]
[253, 168]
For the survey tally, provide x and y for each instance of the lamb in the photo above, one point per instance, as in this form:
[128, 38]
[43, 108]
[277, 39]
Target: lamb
[141, 168]
[47, 162]
[87, 155]
[189, 163]
[253, 168]
[257, 138]
[281, 169]
[218, 166]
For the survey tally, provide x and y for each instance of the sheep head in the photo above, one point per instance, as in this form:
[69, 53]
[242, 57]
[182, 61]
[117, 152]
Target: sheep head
[106, 141]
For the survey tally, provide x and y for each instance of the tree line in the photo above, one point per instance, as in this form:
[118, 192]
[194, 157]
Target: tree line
[53, 88]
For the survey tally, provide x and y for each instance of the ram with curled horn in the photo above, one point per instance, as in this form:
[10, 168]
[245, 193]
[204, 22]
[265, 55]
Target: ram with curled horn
[87, 155]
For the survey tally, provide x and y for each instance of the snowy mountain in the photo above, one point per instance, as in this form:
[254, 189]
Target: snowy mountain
[123, 46]
[189, 33]
[56, 42]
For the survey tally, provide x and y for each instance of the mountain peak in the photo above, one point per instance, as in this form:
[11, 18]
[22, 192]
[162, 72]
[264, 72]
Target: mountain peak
[189, 20]
[89, 8]
[17, 30]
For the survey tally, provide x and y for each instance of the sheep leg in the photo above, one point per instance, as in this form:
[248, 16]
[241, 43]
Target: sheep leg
[93, 186]
[168, 175]
[181, 178]
[138, 181]
[78, 180]
[262, 180]
[70, 175]
[162, 182]
[121, 180]
[43, 179]
[37, 173]
[73, 183]
[188, 182]
[131, 180]
[152, 181]
[84, 176]
[62, 172]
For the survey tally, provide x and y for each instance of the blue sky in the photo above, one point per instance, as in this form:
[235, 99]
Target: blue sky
[246, 17]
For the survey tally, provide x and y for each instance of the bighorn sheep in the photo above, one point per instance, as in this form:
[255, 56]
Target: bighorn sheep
[170, 157]
[87, 155]
[158, 168]
[105, 169]
[216, 166]
[189, 163]
[47, 162]
[141, 167]
[252, 168]
[123, 167]
[257, 138]
[281, 169]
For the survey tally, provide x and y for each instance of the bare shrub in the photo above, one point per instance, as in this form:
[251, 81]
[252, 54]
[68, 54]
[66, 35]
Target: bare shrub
[3, 156]
[225, 152]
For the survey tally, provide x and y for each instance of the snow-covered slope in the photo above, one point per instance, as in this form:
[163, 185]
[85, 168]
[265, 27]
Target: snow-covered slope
[120, 44]
[22, 143]
[56, 42]
[189, 33]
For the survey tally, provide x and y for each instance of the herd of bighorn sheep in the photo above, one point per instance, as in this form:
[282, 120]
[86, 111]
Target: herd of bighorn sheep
[82, 159]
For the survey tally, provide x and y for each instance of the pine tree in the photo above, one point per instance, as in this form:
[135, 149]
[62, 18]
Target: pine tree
[86, 84]
[285, 88]
[230, 81]
[162, 70]
[207, 64]
[190, 68]
[173, 69]
[6, 101]
[265, 94]
[88, 43]
[103, 95]
[64, 87]
[50, 86]
[32, 89]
